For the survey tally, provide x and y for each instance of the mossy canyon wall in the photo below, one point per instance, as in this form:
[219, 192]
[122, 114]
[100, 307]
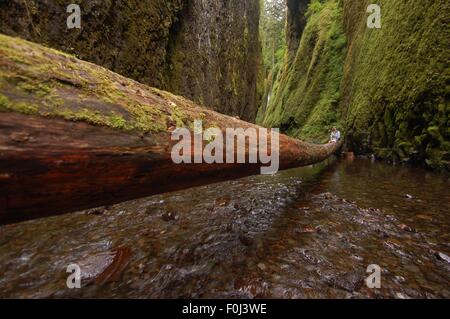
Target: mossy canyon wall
[205, 50]
[387, 88]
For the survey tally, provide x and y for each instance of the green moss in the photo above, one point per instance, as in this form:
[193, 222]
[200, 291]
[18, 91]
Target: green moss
[169, 56]
[60, 89]
[397, 85]
[85, 115]
[41, 89]
[177, 117]
[117, 121]
[386, 88]
[20, 107]
[93, 117]
[306, 94]
[433, 131]
[3, 101]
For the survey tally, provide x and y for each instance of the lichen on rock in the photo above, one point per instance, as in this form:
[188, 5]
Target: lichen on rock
[387, 88]
[42, 81]
[306, 93]
[207, 51]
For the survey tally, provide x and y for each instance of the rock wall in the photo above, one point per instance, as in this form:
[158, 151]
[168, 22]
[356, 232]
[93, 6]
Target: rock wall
[215, 55]
[395, 97]
[206, 50]
[387, 88]
[295, 24]
[306, 93]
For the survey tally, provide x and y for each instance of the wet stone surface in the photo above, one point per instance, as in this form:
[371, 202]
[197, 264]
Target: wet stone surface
[304, 233]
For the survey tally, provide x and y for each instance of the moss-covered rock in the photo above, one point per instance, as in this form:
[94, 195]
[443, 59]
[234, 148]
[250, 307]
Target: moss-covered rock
[36, 80]
[395, 87]
[295, 24]
[386, 88]
[214, 56]
[306, 94]
[205, 50]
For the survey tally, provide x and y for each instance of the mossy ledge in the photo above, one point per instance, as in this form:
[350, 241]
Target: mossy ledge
[395, 85]
[386, 89]
[41, 81]
[206, 51]
[306, 92]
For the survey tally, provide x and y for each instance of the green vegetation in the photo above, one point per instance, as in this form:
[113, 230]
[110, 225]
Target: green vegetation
[306, 94]
[21, 107]
[52, 89]
[273, 41]
[387, 89]
[272, 23]
[206, 51]
[93, 117]
[396, 92]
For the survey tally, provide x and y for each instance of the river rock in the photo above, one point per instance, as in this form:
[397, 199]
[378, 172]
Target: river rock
[350, 282]
[93, 265]
[406, 228]
[104, 267]
[443, 257]
[169, 216]
[308, 230]
[262, 266]
[222, 201]
[400, 295]
[113, 272]
[97, 211]
[425, 217]
[245, 239]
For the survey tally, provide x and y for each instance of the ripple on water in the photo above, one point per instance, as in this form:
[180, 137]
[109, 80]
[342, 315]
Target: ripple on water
[304, 233]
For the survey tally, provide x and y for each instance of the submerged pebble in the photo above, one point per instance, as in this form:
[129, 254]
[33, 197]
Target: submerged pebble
[304, 233]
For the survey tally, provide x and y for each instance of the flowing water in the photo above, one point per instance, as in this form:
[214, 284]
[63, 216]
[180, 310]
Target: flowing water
[304, 233]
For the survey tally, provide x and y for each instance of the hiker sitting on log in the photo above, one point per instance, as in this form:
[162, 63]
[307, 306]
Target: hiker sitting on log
[335, 135]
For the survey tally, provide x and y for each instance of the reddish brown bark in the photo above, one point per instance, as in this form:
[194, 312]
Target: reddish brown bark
[51, 166]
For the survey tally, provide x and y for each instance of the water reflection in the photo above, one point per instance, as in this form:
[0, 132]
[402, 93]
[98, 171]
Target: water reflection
[304, 233]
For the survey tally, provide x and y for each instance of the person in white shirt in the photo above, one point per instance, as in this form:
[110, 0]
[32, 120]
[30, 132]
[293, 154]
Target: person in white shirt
[335, 135]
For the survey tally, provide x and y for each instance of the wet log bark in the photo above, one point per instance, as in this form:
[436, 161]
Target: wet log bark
[55, 157]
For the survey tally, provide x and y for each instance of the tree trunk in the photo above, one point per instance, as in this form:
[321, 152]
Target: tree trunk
[74, 136]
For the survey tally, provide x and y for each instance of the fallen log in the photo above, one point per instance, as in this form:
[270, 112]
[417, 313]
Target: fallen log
[74, 136]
